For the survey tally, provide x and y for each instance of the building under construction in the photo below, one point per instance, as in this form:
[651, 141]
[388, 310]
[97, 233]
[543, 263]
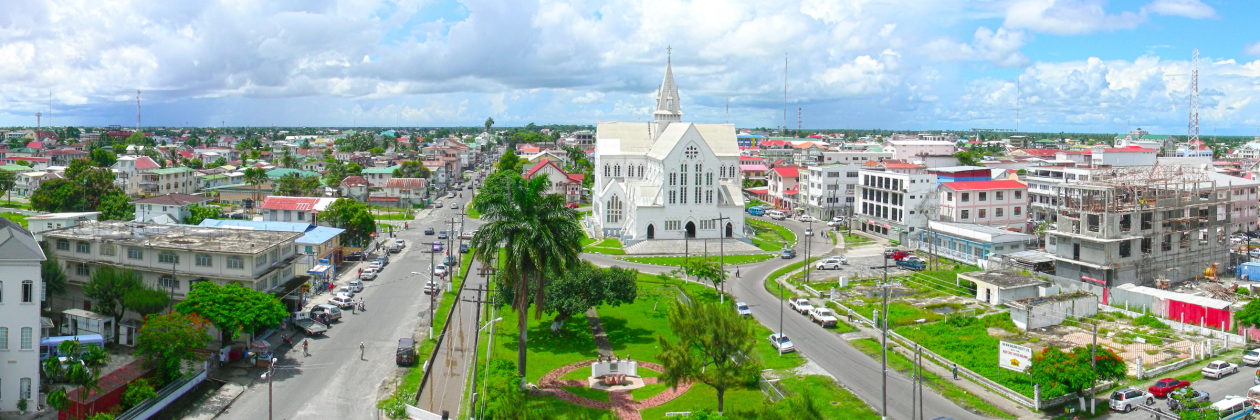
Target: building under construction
[1145, 225]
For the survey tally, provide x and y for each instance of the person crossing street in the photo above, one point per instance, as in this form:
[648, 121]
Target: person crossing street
[361, 349]
[305, 351]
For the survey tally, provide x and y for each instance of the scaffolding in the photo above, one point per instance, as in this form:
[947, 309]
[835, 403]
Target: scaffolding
[1178, 212]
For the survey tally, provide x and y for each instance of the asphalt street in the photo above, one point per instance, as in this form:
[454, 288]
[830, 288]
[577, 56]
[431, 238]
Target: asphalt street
[333, 382]
[1217, 389]
[852, 369]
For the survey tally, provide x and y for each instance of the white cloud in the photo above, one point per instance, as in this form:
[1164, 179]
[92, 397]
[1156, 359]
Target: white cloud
[1068, 17]
[1252, 49]
[1193, 9]
[1001, 47]
[588, 98]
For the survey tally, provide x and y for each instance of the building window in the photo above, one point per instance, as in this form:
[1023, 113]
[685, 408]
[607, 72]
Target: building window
[966, 197]
[723, 171]
[63, 245]
[984, 196]
[1018, 195]
[708, 197]
[708, 178]
[673, 196]
[235, 262]
[4, 338]
[949, 196]
[28, 291]
[108, 250]
[168, 282]
[997, 196]
[981, 213]
[614, 210]
[698, 171]
[966, 214]
[673, 179]
[24, 389]
[82, 270]
[1015, 211]
[682, 195]
[617, 170]
[27, 337]
[1126, 249]
[607, 170]
[697, 195]
[204, 260]
[692, 152]
[673, 225]
[168, 257]
[135, 253]
[83, 247]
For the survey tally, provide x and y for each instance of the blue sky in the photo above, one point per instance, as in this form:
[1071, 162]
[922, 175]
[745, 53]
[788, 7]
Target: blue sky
[1082, 65]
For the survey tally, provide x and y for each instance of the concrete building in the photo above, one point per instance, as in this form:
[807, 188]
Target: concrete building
[294, 209]
[1000, 204]
[378, 177]
[1123, 156]
[408, 191]
[1136, 224]
[854, 156]
[318, 245]
[162, 181]
[1040, 312]
[894, 200]
[562, 183]
[169, 208]
[44, 222]
[21, 292]
[1043, 188]
[997, 287]
[354, 188]
[917, 150]
[667, 179]
[174, 257]
[969, 243]
[827, 191]
[783, 186]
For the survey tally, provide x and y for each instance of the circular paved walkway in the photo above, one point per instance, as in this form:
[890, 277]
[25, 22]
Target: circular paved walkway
[620, 402]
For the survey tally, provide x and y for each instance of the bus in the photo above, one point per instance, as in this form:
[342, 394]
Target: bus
[1234, 408]
[48, 346]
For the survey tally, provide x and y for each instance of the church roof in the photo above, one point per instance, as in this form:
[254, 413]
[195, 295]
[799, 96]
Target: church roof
[630, 138]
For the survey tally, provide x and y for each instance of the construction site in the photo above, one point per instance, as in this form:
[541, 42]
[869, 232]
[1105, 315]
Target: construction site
[1154, 226]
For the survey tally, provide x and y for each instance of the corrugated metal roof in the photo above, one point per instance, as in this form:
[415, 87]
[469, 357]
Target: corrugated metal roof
[1203, 301]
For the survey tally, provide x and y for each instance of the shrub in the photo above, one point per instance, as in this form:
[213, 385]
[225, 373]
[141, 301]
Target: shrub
[1243, 291]
[1148, 320]
[1035, 339]
[21, 406]
[1103, 331]
[137, 392]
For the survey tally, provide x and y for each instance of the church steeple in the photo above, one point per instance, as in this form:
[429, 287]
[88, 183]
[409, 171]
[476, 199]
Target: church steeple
[667, 107]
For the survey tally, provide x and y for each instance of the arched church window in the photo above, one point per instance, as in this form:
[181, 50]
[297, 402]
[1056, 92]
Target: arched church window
[607, 171]
[617, 170]
[673, 179]
[708, 178]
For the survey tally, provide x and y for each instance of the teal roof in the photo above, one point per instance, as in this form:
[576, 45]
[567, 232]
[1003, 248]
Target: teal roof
[388, 170]
[282, 172]
[15, 168]
[215, 176]
[168, 171]
[1155, 137]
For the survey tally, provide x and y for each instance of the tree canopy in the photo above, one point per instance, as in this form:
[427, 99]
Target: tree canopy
[581, 287]
[198, 212]
[103, 158]
[169, 342]
[232, 308]
[83, 189]
[293, 185]
[116, 290]
[352, 216]
[411, 169]
[713, 348]
[1061, 372]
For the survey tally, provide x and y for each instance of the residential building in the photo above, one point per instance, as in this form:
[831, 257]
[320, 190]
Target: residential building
[294, 209]
[667, 179]
[127, 171]
[1249, 150]
[563, 183]
[25, 183]
[961, 173]
[917, 150]
[354, 188]
[62, 157]
[854, 156]
[999, 204]
[408, 191]
[1124, 156]
[166, 209]
[1137, 224]
[827, 191]
[37, 163]
[997, 287]
[162, 181]
[43, 222]
[21, 291]
[318, 245]
[783, 186]
[968, 242]
[1193, 149]
[174, 257]
[894, 199]
[378, 177]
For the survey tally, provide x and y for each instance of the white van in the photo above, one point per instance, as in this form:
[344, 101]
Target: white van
[776, 215]
[1234, 408]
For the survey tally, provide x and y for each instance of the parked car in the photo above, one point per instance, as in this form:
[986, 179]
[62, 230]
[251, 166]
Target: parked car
[1163, 387]
[406, 353]
[801, 305]
[776, 215]
[354, 256]
[442, 235]
[439, 270]
[431, 286]
[451, 195]
[1252, 358]
[742, 309]
[341, 301]
[368, 274]
[463, 248]
[1219, 369]
[383, 259]
[428, 231]
[1189, 395]
[375, 266]
[345, 291]
[834, 223]
[334, 313]
[781, 343]
[756, 211]
[831, 263]
[840, 219]
[355, 286]
[454, 205]
[912, 263]
[806, 218]
[571, 205]
[788, 253]
[437, 204]
[437, 246]
[823, 316]
[1127, 399]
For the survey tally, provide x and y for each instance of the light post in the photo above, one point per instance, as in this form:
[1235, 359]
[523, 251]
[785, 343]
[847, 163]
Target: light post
[809, 238]
[485, 376]
[271, 372]
[883, 320]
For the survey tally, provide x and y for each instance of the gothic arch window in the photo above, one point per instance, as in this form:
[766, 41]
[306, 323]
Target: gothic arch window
[673, 179]
[607, 170]
[723, 172]
[617, 170]
[698, 170]
[640, 170]
[708, 178]
[691, 152]
[614, 210]
[731, 171]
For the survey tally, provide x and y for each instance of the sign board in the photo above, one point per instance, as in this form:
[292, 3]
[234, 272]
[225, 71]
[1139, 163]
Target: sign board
[1013, 356]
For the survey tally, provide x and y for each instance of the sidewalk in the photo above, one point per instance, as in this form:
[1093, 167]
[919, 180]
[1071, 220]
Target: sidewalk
[445, 388]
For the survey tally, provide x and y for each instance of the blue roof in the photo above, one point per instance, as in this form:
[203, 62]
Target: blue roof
[314, 234]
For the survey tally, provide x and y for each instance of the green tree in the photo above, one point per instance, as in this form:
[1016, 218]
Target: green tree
[232, 308]
[77, 370]
[334, 173]
[255, 177]
[171, 341]
[137, 392]
[376, 150]
[713, 348]
[1249, 315]
[581, 287]
[146, 301]
[352, 216]
[353, 169]
[103, 158]
[7, 181]
[508, 161]
[704, 269]
[539, 237]
[117, 206]
[411, 169]
[82, 189]
[489, 122]
[198, 212]
[219, 162]
[108, 288]
[54, 278]
[1061, 372]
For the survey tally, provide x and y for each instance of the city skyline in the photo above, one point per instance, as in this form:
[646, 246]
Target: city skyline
[1081, 65]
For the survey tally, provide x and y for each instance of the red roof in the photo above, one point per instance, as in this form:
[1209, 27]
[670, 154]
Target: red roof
[1005, 184]
[405, 183]
[792, 191]
[576, 177]
[767, 143]
[758, 190]
[57, 152]
[1041, 152]
[111, 382]
[787, 172]
[382, 198]
[544, 163]
[289, 203]
[28, 159]
[750, 158]
[186, 154]
[35, 145]
[146, 162]
[354, 181]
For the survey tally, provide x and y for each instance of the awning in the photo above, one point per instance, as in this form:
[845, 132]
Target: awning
[319, 269]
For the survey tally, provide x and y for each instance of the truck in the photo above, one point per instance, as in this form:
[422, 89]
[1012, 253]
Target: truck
[823, 316]
[801, 305]
[303, 321]
[912, 263]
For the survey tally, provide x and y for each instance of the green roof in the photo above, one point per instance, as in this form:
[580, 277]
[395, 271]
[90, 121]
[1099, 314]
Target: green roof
[282, 172]
[215, 176]
[168, 171]
[15, 168]
[388, 170]
[1155, 137]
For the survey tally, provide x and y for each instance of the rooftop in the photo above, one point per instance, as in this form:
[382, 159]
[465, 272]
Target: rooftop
[1003, 279]
[311, 234]
[173, 200]
[1005, 184]
[17, 243]
[179, 237]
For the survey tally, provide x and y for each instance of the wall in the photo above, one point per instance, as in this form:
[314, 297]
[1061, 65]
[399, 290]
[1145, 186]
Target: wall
[1053, 313]
[16, 363]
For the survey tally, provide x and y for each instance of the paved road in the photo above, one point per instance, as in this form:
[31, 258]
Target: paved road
[333, 382]
[852, 368]
[1236, 384]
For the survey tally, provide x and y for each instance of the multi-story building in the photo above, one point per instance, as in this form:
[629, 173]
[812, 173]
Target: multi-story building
[378, 177]
[169, 208]
[783, 186]
[294, 209]
[854, 156]
[1043, 188]
[562, 183]
[407, 191]
[179, 180]
[999, 204]
[894, 199]
[912, 150]
[827, 191]
[1136, 224]
[1123, 156]
[174, 257]
[20, 297]
[50, 221]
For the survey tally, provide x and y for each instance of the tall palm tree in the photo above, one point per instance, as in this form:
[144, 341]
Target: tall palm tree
[538, 235]
[255, 177]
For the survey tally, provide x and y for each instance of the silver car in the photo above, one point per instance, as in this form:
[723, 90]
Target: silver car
[781, 343]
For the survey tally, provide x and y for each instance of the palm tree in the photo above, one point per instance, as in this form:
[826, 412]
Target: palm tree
[539, 236]
[255, 177]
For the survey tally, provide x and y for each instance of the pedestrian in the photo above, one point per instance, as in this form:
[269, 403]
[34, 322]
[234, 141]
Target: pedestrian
[361, 348]
[736, 272]
[352, 308]
[360, 271]
[305, 344]
[955, 371]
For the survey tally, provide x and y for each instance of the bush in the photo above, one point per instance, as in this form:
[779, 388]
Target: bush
[137, 392]
[1148, 320]
[1243, 291]
[1034, 339]
[1103, 331]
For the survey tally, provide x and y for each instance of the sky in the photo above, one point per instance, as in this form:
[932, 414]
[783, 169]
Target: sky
[1033, 65]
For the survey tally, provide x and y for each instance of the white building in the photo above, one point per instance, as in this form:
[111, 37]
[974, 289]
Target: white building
[163, 208]
[20, 296]
[854, 156]
[667, 179]
[1250, 150]
[52, 221]
[999, 204]
[1124, 156]
[827, 191]
[917, 150]
[294, 209]
[894, 200]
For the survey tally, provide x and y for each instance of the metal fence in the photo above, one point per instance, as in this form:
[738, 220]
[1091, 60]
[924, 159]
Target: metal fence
[165, 396]
[769, 388]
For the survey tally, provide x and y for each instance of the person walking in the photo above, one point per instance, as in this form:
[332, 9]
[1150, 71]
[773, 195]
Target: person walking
[361, 348]
[305, 350]
[955, 371]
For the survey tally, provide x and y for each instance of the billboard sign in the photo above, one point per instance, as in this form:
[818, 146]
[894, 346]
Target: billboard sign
[1013, 356]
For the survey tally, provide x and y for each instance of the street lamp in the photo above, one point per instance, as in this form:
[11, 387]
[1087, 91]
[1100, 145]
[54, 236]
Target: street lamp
[485, 378]
[271, 372]
[809, 238]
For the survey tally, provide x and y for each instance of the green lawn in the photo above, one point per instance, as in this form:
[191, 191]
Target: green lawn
[900, 313]
[16, 218]
[847, 406]
[701, 397]
[15, 204]
[770, 236]
[852, 240]
[970, 345]
[772, 286]
[959, 396]
[391, 216]
[608, 246]
[678, 261]
[582, 391]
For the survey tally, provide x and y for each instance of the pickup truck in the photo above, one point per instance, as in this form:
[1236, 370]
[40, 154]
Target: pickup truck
[801, 305]
[302, 321]
[823, 316]
[912, 263]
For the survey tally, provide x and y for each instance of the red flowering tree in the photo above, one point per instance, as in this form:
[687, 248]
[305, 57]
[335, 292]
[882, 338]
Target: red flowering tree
[1061, 372]
[170, 342]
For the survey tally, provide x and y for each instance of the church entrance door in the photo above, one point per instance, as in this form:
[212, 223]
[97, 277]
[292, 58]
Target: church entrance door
[730, 229]
[691, 229]
[651, 232]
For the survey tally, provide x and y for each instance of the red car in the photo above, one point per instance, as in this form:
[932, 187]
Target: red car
[571, 205]
[1164, 386]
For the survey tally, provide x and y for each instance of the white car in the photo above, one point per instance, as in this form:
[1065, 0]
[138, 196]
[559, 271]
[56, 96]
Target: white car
[437, 204]
[368, 274]
[439, 270]
[742, 309]
[834, 223]
[345, 291]
[831, 263]
[807, 218]
[430, 287]
[781, 343]
[355, 286]
[1252, 358]
[1219, 369]
[840, 219]
[341, 301]
[823, 316]
[801, 305]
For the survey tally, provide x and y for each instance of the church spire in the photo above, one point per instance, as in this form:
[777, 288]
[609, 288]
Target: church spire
[667, 106]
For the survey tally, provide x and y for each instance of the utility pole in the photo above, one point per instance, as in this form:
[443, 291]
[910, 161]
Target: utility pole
[883, 320]
[1093, 365]
[809, 239]
[472, 386]
[722, 252]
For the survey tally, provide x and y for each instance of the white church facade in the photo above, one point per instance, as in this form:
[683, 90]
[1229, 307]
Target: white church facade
[667, 179]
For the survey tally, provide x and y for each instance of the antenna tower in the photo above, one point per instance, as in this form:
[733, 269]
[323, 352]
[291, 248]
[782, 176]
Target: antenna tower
[784, 133]
[137, 110]
[1193, 133]
[798, 121]
[1018, 91]
[50, 124]
[37, 123]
